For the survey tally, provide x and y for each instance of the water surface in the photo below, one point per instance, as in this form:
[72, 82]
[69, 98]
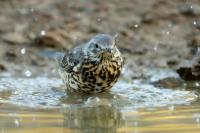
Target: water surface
[40, 104]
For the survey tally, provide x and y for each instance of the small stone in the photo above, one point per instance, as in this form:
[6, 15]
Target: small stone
[147, 18]
[190, 10]
[186, 73]
[191, 69]
[170, 82]
[10, 55]
[172, 62]
[124, 32]
[15, 38]
[2, 67]
[93, 29]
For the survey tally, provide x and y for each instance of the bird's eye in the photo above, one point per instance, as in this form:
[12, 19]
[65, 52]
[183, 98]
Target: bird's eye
[96, 45]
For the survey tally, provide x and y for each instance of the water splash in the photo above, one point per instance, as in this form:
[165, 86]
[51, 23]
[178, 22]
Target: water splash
[23, 51]
[136, 25]
[195, 22]
[197, 84]
[32, 92]
[145, 95]
[28, 73]
[47, 92]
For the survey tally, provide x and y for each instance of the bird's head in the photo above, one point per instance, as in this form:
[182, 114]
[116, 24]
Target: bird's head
[103, 46]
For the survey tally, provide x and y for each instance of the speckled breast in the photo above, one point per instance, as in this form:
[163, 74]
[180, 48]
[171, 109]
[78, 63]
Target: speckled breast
[99, 78]
[95, 78]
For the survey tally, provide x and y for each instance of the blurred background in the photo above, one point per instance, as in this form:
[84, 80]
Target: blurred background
[155, 38]
[153, 33]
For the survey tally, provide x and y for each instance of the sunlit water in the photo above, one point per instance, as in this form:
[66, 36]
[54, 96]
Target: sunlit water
[40, 104]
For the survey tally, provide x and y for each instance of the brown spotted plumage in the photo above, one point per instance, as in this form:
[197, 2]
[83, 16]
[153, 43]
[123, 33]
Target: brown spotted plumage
[92, 67]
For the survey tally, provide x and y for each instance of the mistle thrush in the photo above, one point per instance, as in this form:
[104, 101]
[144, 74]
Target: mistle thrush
[92, 67]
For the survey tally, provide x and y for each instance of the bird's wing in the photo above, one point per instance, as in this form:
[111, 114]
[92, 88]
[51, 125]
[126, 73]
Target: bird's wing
[71, 62]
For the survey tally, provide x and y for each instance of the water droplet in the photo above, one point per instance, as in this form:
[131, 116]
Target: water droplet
[42, 32]
[197, 84]
[28, 73]
[16, 122]
[155, 48]
[194, 22]
[23, 50]
[97, 99]
[92, 101]
[136, 25]
[115, 97]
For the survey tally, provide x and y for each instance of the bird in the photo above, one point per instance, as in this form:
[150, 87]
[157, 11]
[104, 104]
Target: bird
[92, 67]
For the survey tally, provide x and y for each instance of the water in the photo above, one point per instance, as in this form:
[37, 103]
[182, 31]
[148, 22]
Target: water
[76, 119]
[40, 104]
